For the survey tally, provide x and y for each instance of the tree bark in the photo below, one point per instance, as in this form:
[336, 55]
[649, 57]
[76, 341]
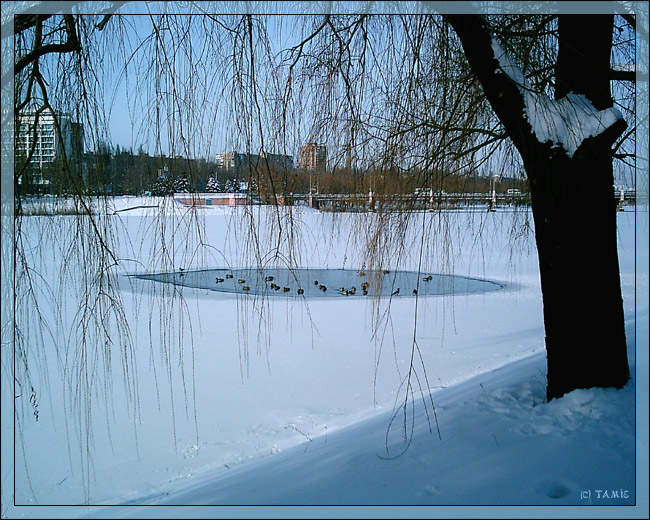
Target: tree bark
[574, 210]
[573, 203]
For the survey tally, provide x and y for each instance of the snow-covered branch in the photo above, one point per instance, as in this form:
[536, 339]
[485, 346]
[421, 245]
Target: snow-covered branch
[566, 122]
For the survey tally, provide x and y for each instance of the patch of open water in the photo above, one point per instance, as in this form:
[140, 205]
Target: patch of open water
[320, 283]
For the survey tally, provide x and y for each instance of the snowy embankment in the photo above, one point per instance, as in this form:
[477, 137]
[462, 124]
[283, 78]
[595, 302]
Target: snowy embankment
[500, 445]
[297, 411]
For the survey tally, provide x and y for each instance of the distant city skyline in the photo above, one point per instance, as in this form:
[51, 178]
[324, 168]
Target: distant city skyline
[130, 112]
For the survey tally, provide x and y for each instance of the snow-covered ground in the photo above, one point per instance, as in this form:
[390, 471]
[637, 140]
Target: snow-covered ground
[281, 401]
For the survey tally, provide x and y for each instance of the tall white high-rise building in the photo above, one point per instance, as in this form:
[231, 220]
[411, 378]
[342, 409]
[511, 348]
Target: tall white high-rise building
[39, 137]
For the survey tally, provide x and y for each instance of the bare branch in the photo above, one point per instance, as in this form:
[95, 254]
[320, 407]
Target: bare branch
[71, 45]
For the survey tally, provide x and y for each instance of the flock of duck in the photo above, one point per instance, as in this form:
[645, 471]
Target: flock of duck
[351, 291]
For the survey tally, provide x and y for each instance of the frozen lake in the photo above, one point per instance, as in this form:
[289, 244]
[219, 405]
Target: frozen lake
[212, 380]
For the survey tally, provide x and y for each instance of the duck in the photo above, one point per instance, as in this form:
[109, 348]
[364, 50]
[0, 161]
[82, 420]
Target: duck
[362, 273]
[301, 291]
[315, 282]
[415, 292]
[395, 293]
[246, 288]
[228, 276]
[241, 280]
[322, 288]
[428, 278]
[218, 280]
[286, 289]
[268, 278]
[365, 285]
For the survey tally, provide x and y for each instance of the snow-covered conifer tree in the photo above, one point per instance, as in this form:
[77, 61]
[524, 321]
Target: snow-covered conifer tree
[181, 185]
[212, 186]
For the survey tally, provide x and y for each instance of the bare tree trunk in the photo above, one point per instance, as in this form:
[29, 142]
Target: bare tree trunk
[575, 220]
[575, 229]
[573, 206]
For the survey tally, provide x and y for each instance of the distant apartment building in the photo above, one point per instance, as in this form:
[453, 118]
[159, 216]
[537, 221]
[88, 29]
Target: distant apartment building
[38, 137]
[278, 160]
[231, 161]
[313, 157]
[39, 143]
[241, 163]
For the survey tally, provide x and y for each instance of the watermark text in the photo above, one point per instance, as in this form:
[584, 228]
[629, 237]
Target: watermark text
[604, 494]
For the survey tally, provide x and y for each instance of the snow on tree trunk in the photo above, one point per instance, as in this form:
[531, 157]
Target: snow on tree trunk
[566, 146]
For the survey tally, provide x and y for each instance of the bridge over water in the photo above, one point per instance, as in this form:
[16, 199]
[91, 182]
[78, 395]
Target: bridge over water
[370, 201]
